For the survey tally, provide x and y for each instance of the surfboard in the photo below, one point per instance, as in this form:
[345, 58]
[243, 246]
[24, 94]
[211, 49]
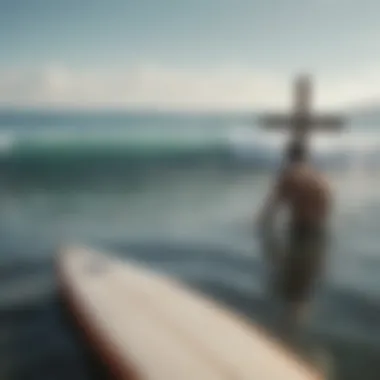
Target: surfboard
[144, 325]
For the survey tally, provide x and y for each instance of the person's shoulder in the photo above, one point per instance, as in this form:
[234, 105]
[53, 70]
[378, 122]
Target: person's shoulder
[321, 180]
[304, 172]
[294, 170]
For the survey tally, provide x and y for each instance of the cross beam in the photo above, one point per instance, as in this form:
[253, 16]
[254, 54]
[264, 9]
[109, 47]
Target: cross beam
[301, 122]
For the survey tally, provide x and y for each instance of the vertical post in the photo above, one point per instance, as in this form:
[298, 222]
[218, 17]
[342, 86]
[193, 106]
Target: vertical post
[302, 109]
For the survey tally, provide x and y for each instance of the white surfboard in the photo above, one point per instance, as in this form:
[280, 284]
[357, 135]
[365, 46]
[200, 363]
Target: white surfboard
[145, 326]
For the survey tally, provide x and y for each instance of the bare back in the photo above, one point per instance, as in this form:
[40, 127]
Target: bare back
[306, 193]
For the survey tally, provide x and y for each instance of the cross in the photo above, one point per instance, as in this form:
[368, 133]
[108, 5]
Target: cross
[301, 122]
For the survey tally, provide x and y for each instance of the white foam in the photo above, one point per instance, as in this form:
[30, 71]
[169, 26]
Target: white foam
[243, 138]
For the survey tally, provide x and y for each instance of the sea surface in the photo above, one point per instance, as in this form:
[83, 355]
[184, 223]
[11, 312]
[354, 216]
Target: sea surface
[178, 192]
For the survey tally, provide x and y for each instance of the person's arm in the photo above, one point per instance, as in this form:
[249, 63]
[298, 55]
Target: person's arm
[273, 202]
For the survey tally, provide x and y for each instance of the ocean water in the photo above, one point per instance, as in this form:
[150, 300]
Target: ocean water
[179, 193]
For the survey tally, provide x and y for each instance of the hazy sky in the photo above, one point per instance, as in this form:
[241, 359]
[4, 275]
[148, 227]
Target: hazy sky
[186, 54]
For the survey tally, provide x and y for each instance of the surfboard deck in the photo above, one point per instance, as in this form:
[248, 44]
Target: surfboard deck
[143, 325]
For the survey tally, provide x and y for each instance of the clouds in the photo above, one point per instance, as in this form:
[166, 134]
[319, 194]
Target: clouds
[157, 87]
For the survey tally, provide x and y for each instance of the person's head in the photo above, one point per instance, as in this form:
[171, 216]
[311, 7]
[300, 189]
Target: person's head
[296, 153]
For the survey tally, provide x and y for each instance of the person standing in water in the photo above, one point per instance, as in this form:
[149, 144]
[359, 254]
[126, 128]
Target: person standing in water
[305, 192]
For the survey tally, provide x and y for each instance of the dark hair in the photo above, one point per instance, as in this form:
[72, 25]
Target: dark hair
[296, 152]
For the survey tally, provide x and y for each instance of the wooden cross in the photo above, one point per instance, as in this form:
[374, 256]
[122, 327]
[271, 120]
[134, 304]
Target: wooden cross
[301, 122]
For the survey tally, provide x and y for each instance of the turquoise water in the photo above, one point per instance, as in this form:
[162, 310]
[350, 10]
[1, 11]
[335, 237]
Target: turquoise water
[179, 193]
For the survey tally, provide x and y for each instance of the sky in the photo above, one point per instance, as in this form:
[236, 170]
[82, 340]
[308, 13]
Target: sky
[187, 54]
